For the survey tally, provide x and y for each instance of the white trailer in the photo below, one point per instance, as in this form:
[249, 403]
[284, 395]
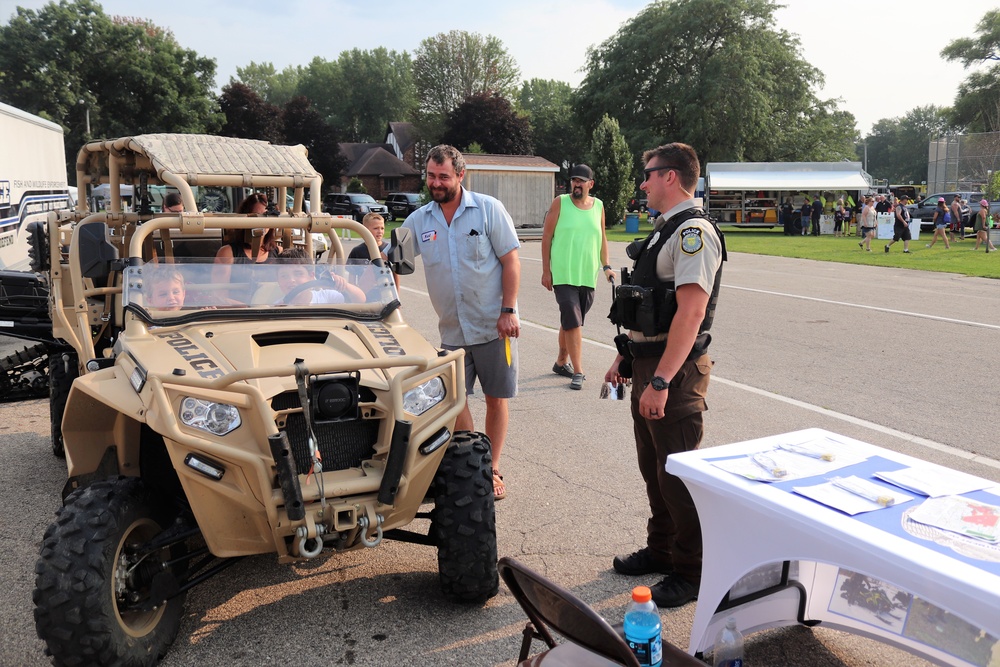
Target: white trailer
[32, 180]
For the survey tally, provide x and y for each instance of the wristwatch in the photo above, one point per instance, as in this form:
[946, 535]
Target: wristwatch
[507, 309]
[659, 384]
[607, 267]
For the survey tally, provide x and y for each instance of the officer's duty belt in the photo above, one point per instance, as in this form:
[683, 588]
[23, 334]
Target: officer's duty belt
[641, 350]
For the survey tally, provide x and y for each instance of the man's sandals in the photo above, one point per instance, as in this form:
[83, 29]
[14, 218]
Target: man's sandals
[499, 489]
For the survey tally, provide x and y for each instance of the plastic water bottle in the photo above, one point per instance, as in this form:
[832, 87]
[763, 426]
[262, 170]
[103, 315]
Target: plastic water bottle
[729, 645]
[642, 628]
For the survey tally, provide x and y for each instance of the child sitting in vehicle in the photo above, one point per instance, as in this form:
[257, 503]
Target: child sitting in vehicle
[359, 254]
[165, 288]
[295, 269]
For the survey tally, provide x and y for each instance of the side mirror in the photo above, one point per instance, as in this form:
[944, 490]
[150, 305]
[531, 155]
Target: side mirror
[402, 252]
[96, 252]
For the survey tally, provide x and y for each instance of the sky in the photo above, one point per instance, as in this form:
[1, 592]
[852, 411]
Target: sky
[879, 57]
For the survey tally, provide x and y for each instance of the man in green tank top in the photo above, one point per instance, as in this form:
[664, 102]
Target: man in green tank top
[574, 249]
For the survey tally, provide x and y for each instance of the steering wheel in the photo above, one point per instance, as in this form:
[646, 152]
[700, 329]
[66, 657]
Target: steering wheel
[305, 287]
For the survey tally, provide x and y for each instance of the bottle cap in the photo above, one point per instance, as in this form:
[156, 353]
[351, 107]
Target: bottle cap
[641, 594]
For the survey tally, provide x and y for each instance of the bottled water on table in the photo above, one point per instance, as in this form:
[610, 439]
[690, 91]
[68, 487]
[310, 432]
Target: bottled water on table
[642, 628]
[729, 646]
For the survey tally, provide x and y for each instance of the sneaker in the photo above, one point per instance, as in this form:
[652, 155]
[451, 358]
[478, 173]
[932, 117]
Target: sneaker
[674, 591]
[906, 252]
[928, 245]
[887, 249]
[861, 245]
[566, 370]
[577, 382]
[640, 562]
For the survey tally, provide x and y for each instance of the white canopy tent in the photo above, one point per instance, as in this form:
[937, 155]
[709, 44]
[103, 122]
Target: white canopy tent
[787, 176]
[749, 193]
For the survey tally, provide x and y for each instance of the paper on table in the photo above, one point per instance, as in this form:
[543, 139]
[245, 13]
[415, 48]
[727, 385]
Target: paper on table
[849, 503]
[935, 481]
[796, 466]
[960, 515]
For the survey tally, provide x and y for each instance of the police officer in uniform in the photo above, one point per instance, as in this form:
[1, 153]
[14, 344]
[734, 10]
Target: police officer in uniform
[667, 305]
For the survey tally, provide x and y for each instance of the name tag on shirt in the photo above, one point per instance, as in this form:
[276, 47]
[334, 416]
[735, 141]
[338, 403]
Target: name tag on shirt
[429, 236]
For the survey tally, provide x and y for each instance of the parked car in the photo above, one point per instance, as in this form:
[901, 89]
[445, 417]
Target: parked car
[401, 204]
[637, 203]
[923, 210]
[352, 205]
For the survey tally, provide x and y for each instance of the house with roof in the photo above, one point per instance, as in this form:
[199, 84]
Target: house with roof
[379, 169]
[402, 137]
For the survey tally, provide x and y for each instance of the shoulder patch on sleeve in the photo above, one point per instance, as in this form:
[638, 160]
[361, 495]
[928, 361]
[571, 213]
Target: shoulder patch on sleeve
[692, 241]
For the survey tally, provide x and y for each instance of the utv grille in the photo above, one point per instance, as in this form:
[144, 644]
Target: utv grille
[342, 444]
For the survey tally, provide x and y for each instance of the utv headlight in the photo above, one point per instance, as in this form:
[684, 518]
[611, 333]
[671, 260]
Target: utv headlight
[215, 418]
[422, 398]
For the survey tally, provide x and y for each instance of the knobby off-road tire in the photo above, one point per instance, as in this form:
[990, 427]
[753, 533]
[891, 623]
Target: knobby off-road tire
[63, 370]
[82, 578]
[464, 521]
[14, 384]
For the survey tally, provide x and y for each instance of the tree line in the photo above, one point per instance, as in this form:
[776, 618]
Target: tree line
[716, 74]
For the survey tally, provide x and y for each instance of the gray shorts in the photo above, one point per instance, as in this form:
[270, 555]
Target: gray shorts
[488, 362]
[574, 303]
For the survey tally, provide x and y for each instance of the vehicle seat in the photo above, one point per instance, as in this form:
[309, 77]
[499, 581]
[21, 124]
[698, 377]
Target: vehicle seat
[592, 641]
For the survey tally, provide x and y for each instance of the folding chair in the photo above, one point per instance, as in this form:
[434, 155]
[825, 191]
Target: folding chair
[592, 641]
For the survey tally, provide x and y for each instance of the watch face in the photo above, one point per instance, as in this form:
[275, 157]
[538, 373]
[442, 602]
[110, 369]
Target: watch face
[658, 383]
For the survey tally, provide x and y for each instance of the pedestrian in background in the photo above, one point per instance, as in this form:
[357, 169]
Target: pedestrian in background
[839, 217]
[956, 227]
[941, 220]
[786, 217]
[574, 248]
[901, 225]
[817, 211]
[867, 224]
[982, 226]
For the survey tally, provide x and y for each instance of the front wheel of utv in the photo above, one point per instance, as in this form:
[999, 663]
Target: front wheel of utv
[464, 522]
[91, 596]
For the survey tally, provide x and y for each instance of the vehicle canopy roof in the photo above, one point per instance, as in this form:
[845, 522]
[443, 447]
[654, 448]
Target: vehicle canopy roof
[183, 160]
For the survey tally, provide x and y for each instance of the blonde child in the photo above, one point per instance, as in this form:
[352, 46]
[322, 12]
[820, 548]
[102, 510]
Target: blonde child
[359, 254]
[165, 289]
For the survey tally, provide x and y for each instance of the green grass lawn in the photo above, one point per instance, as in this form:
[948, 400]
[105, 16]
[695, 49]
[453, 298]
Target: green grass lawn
[960, 259]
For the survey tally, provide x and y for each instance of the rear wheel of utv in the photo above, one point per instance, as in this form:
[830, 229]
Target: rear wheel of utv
[91, 589]
[464, 523]
[62, 371]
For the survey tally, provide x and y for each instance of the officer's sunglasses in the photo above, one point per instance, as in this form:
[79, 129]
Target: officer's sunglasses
[649, 170]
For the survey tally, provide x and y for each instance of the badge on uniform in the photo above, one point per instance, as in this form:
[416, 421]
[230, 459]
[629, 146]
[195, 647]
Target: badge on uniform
[429, 236]
[691, 241]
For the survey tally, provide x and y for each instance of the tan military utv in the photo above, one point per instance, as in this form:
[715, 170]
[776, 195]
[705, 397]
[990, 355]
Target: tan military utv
[210, 411]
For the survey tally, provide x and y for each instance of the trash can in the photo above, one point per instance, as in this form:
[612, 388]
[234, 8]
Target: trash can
[632, 223]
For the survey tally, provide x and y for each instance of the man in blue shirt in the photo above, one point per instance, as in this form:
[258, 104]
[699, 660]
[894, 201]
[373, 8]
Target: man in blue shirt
[473, 274]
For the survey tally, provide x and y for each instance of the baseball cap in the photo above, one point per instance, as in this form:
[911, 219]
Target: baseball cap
[940, 200]
[581, 171]
[984, 203]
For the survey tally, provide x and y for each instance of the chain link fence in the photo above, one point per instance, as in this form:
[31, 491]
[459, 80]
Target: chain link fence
[963, 162]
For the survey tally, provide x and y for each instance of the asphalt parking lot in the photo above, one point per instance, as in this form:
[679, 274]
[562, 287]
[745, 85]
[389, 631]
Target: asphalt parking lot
[892, 357]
